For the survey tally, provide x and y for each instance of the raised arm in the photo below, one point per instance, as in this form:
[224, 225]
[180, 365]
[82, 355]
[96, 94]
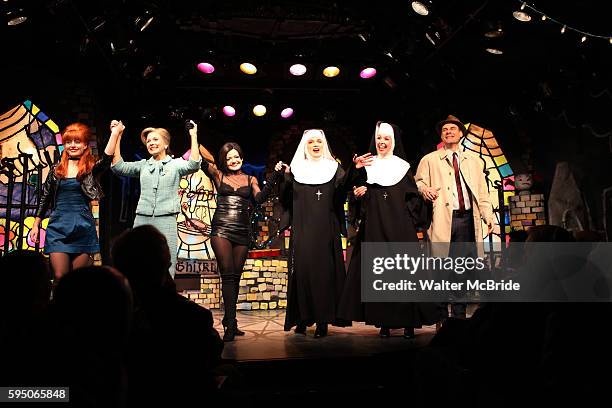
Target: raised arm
[116, 128]
[206, 155]
[185, 167]
[208, 166]
[193, 133]
[118, 166]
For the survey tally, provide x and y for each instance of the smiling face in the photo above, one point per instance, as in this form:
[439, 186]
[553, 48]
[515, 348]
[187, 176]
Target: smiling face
[156, 145]
[314, 145]
[75, 147]
[233, 160]
[384, 140]
[450, 134]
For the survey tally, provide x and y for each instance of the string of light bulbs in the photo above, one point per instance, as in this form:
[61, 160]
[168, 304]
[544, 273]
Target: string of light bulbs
[584, 35]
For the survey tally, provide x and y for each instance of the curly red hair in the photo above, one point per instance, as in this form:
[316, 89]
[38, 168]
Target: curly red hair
[82, 133]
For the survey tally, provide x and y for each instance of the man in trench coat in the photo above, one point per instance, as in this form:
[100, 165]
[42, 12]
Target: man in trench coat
[454, 182]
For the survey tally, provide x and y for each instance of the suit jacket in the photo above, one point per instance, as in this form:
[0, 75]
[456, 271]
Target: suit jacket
[435, 170]
[159, 182]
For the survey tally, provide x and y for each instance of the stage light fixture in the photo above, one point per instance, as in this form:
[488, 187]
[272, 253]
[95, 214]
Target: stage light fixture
[259, 110]
[521, 16]
[496, 32]
[16, 17]
[331, 71]
[367, 73]
[420, 7]
[206, 67]
[229, 110]
[286, 113]
[248, 68]
[297, 69]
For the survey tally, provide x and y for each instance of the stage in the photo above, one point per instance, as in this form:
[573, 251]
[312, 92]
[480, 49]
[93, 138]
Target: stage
[269, 365]
[265, 340]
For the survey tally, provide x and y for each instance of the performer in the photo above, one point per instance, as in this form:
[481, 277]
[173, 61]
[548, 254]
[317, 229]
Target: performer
[391, 211]
[314, 194]
[454, 181]
[230, 229]
[159, 202]
[71, 238]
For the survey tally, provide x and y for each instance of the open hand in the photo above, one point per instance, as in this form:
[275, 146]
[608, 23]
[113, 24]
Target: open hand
[363, 160]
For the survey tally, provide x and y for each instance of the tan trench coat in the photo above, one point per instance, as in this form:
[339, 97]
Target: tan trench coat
[435, 170]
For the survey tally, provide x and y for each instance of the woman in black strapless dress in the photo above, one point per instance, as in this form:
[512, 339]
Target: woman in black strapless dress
[230, 230]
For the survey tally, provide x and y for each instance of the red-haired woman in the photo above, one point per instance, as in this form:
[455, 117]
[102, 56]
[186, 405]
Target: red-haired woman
[70, 186]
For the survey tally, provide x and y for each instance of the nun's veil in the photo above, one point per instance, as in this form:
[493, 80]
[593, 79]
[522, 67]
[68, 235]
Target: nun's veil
[398, 146]
[308, 171]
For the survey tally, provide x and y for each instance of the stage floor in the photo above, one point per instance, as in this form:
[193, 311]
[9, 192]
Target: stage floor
[266, 340]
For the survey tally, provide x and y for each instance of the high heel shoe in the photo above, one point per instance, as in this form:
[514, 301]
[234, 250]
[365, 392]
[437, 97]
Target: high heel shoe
[300, 329]
[384, 332]
[321, 330]
[409, 333]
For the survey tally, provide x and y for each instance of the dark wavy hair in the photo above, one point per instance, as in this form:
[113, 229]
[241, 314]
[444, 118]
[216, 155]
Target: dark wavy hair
[222, 159]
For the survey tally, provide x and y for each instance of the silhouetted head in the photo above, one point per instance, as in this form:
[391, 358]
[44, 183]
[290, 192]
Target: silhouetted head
[94, 303]
[24, 282]
[143, 256]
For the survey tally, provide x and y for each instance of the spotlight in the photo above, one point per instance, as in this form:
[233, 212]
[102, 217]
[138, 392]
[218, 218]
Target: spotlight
[297, 69]
[331, 71]
[420, 7]
[259, 110]
[229, 111]
[248, 68]
[583, 39]
[494, 51]
[286, 113]
[521, 16]
[15, 18]
[206, 68]
[495, 33]
[563, 29]
[367, 73]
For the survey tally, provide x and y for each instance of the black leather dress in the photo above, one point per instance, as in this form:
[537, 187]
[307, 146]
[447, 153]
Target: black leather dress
[232, 216]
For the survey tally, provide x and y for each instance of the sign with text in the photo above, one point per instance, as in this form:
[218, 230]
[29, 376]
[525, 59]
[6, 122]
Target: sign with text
[196, 266]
